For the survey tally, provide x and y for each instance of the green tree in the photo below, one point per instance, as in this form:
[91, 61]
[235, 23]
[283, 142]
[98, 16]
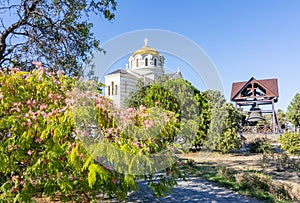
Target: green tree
[154, 95]
[219, 123]
[281, 116]
[43, 151]
[176, 95]
[206, 120]
[56, 33]
[293, 111]
[290, 141]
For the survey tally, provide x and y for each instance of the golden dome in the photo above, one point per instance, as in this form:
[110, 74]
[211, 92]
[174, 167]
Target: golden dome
[146, 50]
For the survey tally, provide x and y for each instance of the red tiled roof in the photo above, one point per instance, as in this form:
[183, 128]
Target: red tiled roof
[270, 84]
[236, 87]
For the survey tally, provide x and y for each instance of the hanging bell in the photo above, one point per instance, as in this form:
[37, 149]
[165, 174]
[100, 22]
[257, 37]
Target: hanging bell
[255, 114]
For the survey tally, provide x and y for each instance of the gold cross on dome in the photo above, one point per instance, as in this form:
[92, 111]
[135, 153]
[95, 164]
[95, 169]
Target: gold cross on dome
[146, 41]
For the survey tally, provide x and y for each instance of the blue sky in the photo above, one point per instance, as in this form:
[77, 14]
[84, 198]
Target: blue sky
[243, 38]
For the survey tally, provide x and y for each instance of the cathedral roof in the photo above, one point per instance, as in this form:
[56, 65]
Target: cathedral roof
[175, 75]
[146, 50]
[117, 71]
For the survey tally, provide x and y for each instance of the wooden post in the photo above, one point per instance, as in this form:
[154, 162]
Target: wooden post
[273, 117]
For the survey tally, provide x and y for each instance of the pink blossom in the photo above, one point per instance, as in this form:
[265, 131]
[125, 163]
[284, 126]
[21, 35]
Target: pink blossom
[130, 110]
[44, 114]
[43, 106]
[29, 152]
[110, 130]
[59, 73]
[143, 115]
[143, 108]
[29, 122]
[13, 189]
[180, 163]
[15, 178]
[57, 96]
[40, 77]
[85, 134]
[37, 140]
[57, 82]
[10, 147]
[38, 64]
[148, 123]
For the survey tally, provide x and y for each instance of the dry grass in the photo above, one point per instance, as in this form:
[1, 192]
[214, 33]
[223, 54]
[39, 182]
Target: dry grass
[247, 162]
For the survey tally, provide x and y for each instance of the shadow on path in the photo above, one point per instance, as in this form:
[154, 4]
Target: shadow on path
[193, 190]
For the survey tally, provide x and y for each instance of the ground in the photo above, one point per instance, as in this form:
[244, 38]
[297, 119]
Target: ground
[196, 189]
[248, 161]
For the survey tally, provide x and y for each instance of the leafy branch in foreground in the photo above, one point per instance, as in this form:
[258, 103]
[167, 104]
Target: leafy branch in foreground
[57, 33]
[42, 153]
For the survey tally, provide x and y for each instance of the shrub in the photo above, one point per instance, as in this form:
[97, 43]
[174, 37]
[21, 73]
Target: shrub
[290, 142]
[262, 183]
[43, 153]
[260, 145]
[256, 181]
[227, 173]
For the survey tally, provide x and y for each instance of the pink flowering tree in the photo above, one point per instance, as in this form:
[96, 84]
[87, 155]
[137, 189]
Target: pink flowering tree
[45, 151]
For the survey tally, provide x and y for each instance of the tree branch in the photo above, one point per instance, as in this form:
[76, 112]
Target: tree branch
[14, 26]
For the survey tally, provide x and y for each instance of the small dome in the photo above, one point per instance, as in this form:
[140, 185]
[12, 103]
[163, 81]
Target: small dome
[146, 50]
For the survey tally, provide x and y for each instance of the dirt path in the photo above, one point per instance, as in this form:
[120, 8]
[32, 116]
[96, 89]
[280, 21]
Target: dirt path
[195, 189]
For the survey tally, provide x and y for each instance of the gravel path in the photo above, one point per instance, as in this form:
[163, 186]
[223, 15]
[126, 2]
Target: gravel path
[192, 190]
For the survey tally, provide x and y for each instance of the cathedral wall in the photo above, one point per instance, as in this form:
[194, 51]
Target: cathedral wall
[112, 88]
[128, 85]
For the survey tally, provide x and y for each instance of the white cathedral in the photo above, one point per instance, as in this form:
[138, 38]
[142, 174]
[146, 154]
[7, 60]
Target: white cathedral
[144, 64]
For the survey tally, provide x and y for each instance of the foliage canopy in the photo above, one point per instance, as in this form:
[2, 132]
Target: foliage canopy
[205, 118]
[57, 33]
[293, 111]
[42, 153]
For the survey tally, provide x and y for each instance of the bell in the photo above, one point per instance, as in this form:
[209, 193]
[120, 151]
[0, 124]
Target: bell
[255, 114]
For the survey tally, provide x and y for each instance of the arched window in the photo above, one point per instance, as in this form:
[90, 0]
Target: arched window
[146, 62]
[108, 92]
[112, 88]
[137, 62]
[155, 62]
[131, 64]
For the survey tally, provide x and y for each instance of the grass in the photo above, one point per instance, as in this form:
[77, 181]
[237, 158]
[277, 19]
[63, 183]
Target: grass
[228, 180]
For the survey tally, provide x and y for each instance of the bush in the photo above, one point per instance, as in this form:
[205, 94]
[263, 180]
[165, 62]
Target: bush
[290, 142]
[227, 173]
[255, 181]
[260, 145]
[262, 183]
[43, 153]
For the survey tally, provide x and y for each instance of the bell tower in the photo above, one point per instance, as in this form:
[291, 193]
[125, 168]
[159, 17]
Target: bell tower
[257, 93]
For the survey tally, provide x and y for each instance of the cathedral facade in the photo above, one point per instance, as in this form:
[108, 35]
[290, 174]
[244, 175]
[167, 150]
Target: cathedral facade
[145, 64]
